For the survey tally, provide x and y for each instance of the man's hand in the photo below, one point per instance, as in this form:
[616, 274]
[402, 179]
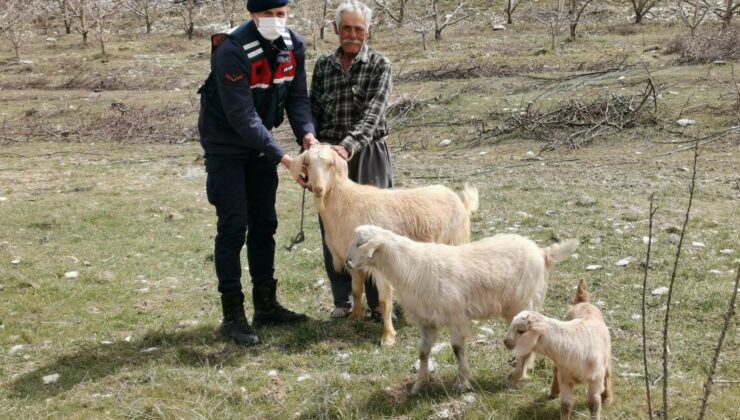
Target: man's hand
[309, 140]
[287, 161]
[341, 151]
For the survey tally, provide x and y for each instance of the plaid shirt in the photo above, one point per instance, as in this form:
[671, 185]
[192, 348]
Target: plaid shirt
[348, 107]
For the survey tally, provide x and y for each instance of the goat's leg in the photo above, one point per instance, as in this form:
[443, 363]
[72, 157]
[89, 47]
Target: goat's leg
[385, 296]
[566, 398]
[607, 397]
[520, 372]
[595, 389]
[358, 287]
[462, 383]
[555, 387]
[428, 337]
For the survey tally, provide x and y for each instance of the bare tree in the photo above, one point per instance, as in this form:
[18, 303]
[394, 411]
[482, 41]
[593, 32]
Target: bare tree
[554, 18]
[188, 11]
[102, 13]
[13, 23]
[228, 10]
[398, 17]
[79, 11]
[313, 17]
[642, 7]
[511, 6]
[575, 10]
[422, 22]
[693, 12]
[66, 16]
[725, 14]
[147, 10]
[449, 19]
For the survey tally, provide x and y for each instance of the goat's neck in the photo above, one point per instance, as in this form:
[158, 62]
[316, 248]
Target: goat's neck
[558, 339]
[340, 195]
[402, 264]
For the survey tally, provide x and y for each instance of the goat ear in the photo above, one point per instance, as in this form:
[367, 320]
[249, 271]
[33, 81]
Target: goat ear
[371, 246]
[296, 168]
[340, 166]
[535, 324]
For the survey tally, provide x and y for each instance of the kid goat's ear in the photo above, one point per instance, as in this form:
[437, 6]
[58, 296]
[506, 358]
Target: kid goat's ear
[296, 168]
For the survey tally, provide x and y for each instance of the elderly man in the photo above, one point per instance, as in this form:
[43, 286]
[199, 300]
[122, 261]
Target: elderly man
[349, 94]
[257, 77]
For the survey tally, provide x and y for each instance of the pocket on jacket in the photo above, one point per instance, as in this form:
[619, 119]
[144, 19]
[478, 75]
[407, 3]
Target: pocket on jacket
[358, 97]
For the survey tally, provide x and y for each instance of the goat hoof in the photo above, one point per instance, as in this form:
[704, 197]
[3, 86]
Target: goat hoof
[463, 386]
[415, 390]
[515, 383]
[387, 342]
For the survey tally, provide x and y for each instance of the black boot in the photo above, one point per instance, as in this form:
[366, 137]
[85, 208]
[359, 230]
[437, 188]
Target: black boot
[235, 325]
[267, 310]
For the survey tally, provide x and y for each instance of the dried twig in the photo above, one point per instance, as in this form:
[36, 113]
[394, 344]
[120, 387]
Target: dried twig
[672, 282]
[653, 209]
[713, 365]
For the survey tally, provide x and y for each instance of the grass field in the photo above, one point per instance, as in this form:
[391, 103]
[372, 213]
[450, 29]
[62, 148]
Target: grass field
[106, 270]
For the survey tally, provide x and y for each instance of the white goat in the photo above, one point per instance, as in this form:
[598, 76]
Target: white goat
[580, 347]
[442, 285]
[431, 214]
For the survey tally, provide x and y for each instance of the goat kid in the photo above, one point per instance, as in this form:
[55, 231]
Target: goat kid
[580, 347]
[448, 286]
[431, 214]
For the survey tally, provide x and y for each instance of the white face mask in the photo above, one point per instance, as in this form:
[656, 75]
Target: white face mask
[271, 27]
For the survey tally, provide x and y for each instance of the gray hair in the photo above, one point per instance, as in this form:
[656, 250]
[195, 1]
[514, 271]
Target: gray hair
[354, 6]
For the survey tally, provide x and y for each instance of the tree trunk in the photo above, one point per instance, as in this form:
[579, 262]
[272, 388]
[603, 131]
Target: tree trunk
[573, 31]
[508, 18]
[552, 42]
[437, 34]
[102, 48]
[148, 27]
[17, 49]
[67, 26]
[638, 17]
[424, 41]
[401, 12]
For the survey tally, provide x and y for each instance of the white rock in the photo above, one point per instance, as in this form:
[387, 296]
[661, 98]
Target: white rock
[482, 153]
[620, 78]
[15, 349]
[346, 376]
[439, 347]
[143, 290]
[600, 303]
[630, 375]
[623, 262]
[50, 379]
[636, 317]
[273, 373]
[106, 342]
[469, 397]
[71, 274]
[303, 378]
[683, 122]
[343, 355]
[16, 261]
[659, 291]
[499, 27]
[127, 339]
[319, 283]
[3, 198]
[432, 365]
[487, 330]
[150, 350]
[715, 272]
[726, 251]
[445, 142]
[530, 154]
[592, 267]
[523, 214]
[646, 239]
[697, 244]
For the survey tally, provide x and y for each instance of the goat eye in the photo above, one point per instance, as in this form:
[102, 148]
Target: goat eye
[521, 330]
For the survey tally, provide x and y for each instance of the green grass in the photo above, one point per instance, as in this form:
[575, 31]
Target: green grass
[133, 335]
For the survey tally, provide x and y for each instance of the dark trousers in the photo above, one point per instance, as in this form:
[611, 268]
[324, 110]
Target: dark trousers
[341, 283]
[243, 192]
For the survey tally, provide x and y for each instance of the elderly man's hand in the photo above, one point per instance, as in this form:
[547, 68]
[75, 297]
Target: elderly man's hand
[341, 151]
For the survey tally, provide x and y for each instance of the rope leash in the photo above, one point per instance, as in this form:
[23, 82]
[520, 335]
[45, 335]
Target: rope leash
[300, 236]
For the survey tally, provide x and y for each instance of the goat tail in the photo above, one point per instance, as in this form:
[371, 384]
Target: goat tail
[559, 252]
[581, 293]
[469, 198]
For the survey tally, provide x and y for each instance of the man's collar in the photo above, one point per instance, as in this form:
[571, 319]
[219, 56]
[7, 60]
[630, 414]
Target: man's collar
[362, 56]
